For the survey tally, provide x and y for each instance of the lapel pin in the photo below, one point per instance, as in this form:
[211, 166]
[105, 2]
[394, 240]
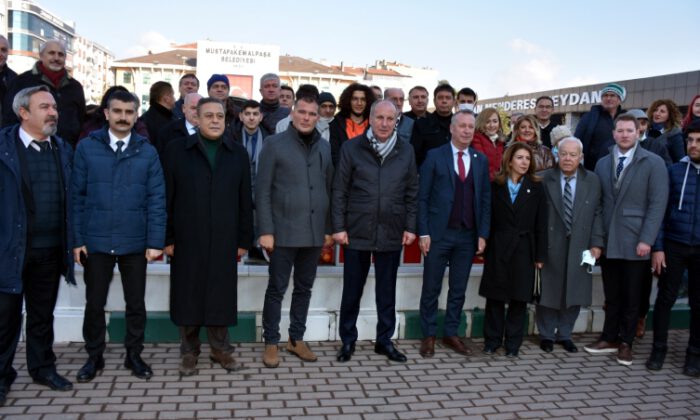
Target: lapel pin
[528, 191]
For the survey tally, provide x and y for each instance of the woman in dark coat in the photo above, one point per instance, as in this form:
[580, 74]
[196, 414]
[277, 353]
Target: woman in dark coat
[517, 244]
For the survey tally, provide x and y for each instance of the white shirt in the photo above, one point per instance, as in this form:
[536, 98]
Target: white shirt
[628, 157]
[465, 159]
[113, 141]
[190, 128]
[29, 140]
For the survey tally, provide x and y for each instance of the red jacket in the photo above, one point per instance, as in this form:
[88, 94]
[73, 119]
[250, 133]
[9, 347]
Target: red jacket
[493, 151]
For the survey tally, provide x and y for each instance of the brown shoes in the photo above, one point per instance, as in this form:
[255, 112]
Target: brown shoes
[602, 347]
[270, 358]
[188, 364]
[624, 355]
[427, 347]
[301, 350]
[455, 343]
[225, 360]
[641, 327]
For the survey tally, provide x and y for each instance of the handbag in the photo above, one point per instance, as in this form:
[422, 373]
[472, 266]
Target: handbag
[537, 289]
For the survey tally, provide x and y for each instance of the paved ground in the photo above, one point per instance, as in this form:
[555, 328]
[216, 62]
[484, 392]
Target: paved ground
[537, 385]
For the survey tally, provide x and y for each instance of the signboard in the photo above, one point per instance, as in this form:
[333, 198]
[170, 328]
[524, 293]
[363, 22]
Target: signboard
[243, 64]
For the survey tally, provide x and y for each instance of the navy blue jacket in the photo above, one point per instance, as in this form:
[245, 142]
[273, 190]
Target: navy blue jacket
[119, 204]
[682, 220]
[17, 214]
[593, 148]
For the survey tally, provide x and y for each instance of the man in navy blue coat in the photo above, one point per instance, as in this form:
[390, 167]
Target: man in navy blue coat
[119, 218]
[454, 216]
[34, 245]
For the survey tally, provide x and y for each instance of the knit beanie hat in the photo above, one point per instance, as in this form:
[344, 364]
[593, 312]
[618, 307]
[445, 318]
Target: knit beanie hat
[618, 90]
[326, 97]
[217, 78]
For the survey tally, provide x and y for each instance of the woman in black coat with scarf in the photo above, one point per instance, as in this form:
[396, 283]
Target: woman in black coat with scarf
[517, 245]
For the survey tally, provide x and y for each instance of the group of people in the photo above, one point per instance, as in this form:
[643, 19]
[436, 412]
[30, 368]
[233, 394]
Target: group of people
[207, 180]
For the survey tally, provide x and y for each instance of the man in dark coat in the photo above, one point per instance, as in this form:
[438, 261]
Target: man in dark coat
[375, 193]
[453, 223]
[119, 219]
[189, 83]
[35, 170]
[210, 224]
[183, 127]
[270, 88]
[50, 70]
[160, 112]
[434, 130]
[7, 75]
[575, 224]
[292, 201]
[353, 118]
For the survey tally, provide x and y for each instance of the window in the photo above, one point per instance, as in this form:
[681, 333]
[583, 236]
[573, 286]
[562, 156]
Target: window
[126, 77]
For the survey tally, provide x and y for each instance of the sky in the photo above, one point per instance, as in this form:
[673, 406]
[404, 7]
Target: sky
[496, 48]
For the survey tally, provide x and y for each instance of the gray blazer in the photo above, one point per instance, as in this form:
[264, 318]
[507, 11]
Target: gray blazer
[562, 270]
[634, 210]
[293, 189]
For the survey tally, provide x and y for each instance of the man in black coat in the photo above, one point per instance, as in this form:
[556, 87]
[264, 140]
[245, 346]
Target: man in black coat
[434, 130]
[189, 83]
[50, 70]
[7, 75]
[182, 127]
[210, 225]
[160, 113]
[375, 193]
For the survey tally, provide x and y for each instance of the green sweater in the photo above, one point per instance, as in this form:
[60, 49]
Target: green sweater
[210, 148]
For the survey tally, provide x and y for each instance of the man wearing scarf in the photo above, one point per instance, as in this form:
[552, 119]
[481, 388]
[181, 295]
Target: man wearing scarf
[50, 70]
[373, 212]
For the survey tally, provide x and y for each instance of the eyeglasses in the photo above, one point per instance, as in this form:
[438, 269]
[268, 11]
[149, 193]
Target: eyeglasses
[545, 107]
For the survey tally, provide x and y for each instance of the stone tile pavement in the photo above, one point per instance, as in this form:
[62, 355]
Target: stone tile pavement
[537, 385]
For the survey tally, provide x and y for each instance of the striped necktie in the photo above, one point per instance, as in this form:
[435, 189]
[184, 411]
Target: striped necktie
[568, 205]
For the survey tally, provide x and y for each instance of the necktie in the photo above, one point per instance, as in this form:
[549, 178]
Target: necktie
[120, 144]
[253, 144]
[568, 205]
[460, 167]
[620, 166]
[43, 145]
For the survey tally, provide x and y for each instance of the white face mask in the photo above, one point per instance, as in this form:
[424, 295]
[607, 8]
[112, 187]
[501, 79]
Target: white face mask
[466, 107]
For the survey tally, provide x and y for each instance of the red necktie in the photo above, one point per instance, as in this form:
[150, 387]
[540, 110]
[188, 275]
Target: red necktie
[460, 167]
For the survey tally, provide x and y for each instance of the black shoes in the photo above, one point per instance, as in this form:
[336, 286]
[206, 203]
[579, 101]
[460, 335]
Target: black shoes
[489, 350]
[692, 365]
[656, 359]
[511, 354]
[345, 353]
[89, 370]
[568, 345]
[390, 352]
[54, 381]
[138, 367]
[3, 396]
[547, 346]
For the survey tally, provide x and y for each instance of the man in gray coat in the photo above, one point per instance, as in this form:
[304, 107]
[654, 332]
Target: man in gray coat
[575, 224]
[634, 185]
[292, 198]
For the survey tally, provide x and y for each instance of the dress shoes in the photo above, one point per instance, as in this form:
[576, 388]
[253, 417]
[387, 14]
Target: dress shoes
[511, 354]
[453, 342]
[345, 353]
[568, 345]
[3, 396]
[138, 367]
[427, 347]
[54, 381]
[656, 359]
[89, 370]
[547, 346]
[390, 352]
[489, 350]
[188, 364]
[692, 365]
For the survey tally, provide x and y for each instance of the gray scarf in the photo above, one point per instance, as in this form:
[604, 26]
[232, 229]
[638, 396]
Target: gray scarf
[382, 149]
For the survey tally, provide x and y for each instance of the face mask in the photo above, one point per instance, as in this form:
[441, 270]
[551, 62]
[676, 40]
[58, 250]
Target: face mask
[466, 107]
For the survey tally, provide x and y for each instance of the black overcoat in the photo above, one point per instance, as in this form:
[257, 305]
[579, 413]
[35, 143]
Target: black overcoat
[518, 238]
[210, 216]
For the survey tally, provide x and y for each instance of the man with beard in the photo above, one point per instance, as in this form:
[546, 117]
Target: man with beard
[596, 126]
[119, 219]
[210, 224]
[353, 118]
[35, 245]
[51, 71]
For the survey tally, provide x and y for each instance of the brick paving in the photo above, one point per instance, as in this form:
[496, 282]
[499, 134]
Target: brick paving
[536, 385]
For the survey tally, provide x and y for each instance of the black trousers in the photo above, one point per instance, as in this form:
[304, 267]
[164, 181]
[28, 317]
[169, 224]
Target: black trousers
[40, 280]
[499, 323]
[679, 257]
[646, 283]
[386, 265]
[623, 289]
[99, 269]
[282, 260]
